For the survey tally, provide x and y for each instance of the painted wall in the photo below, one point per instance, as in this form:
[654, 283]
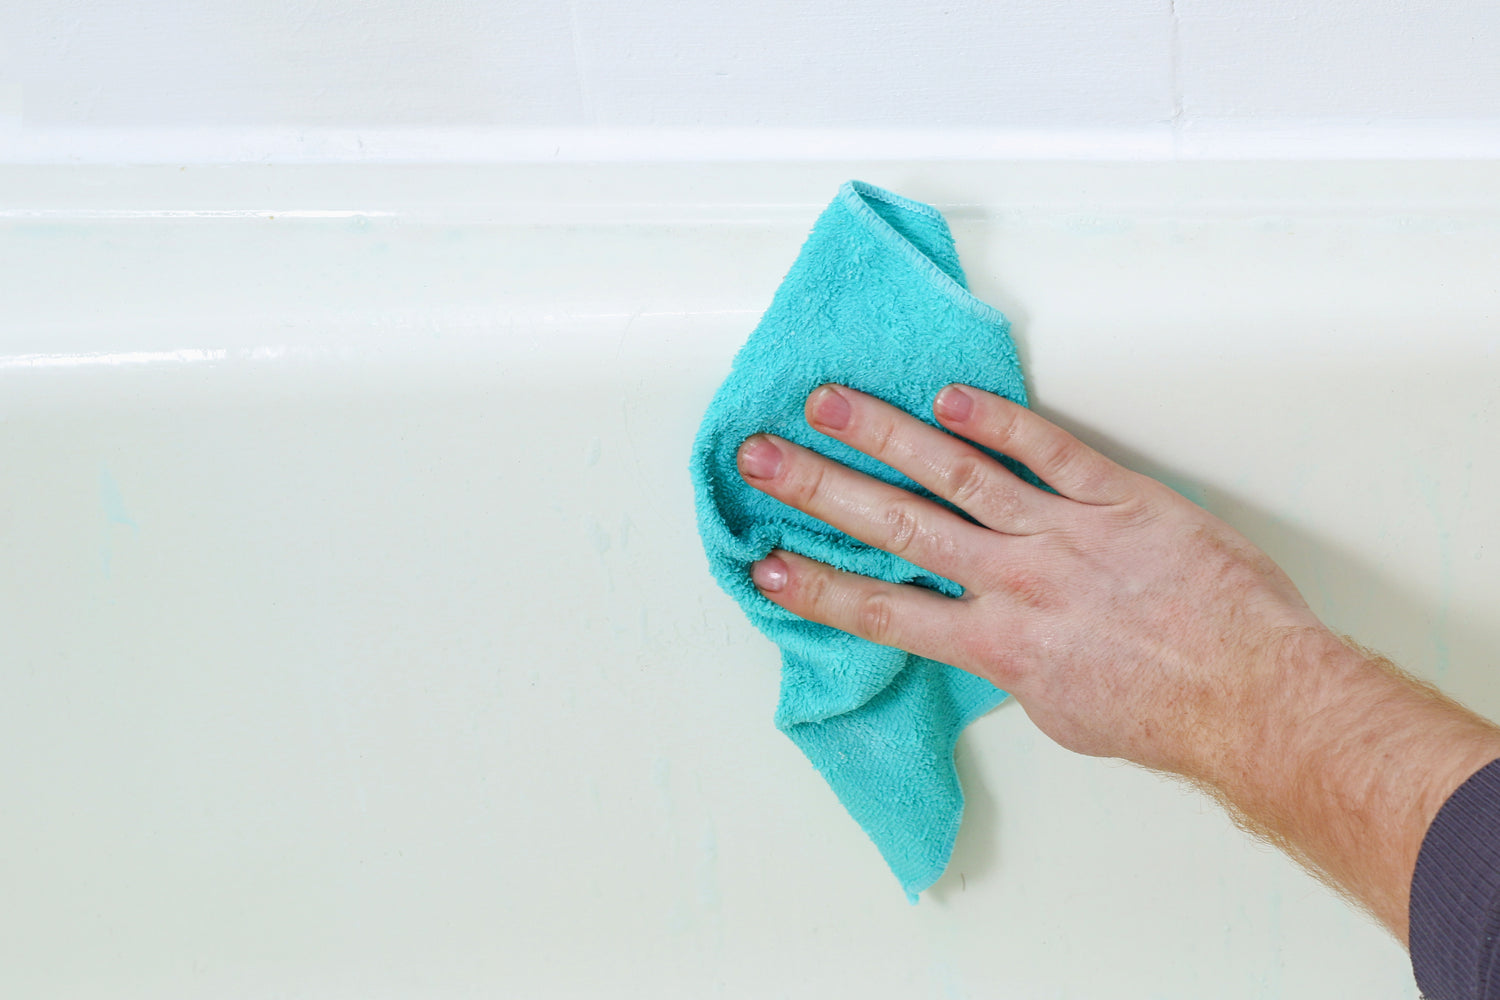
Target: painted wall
[458, 79]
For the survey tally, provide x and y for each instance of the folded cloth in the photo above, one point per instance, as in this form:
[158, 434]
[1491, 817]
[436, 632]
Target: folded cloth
[876, 300]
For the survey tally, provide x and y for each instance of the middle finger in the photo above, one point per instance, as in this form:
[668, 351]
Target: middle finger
[874, 512]
[951, 468]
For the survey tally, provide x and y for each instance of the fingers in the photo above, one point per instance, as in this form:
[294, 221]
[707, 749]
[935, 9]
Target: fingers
[905, 617]
[1062, 461]
[876, 513]
[952, 469]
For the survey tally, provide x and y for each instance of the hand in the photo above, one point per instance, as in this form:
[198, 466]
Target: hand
[1127, 621]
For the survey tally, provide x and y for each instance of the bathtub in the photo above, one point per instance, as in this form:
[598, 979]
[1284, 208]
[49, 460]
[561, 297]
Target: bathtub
[356, 639]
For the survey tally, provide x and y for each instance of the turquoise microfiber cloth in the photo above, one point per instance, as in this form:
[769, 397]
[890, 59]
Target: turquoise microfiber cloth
[877, 301]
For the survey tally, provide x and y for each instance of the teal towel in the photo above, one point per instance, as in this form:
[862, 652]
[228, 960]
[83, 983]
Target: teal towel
[877, 301]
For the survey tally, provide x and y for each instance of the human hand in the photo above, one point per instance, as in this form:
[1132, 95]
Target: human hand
[1127, 621]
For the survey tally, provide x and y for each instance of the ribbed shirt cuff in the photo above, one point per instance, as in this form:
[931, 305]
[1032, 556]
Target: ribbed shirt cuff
[1455, 895]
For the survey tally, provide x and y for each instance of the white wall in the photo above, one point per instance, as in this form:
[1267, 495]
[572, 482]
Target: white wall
[169, 80]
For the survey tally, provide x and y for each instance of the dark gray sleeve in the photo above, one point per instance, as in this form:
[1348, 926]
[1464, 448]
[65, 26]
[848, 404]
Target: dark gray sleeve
[1455, 895]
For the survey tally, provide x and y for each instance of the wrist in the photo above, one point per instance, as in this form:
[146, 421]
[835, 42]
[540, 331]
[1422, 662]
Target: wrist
[1295, 688]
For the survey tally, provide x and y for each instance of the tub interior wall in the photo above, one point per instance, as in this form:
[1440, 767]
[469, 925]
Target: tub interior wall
[357, 640]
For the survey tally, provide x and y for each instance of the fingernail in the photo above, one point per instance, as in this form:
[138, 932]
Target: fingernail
[831, 408]
[953, 404]
[770, 573]
[760, 458]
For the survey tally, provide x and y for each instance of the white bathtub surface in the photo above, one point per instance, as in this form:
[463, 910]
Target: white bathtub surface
[356, 640]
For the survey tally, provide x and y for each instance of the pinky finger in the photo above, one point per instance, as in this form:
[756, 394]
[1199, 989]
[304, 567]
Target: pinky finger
[906, 617]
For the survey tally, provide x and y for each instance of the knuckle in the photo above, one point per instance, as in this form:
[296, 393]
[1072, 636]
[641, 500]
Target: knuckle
[1006, 427]
[902, 526]
[882, 437]
[809, 593]
[967, 478]
[1135, 511]
[1005, 669]
[1056, 454]
[1000, 659]
[1091, 467]
[807, 483]
[1007, 507]
[875, 618]
[1030, 588]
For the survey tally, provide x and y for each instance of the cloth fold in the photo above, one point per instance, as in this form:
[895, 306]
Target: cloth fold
[875, 300]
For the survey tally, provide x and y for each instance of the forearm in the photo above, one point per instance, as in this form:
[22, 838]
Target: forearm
[1347, 767]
